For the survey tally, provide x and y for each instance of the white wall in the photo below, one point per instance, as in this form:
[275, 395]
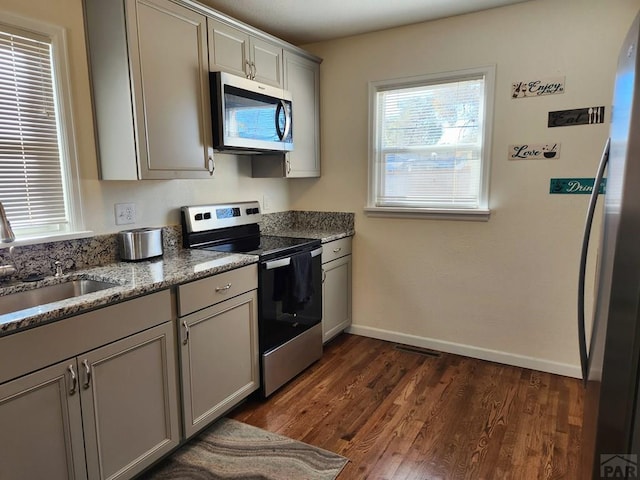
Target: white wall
[157, 202]
[504, 289]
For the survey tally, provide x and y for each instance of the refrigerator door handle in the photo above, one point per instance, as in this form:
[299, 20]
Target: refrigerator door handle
[582, 338]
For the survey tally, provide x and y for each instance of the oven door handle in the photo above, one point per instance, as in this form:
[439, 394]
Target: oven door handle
[283, 262]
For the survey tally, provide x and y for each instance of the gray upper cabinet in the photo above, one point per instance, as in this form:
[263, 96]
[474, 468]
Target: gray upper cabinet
[235, 51]
[149, 74]
[302, 79]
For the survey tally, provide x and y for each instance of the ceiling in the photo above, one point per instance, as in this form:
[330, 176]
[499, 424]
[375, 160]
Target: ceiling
[308, 21]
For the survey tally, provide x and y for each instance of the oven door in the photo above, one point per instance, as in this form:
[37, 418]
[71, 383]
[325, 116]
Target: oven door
[279, 320]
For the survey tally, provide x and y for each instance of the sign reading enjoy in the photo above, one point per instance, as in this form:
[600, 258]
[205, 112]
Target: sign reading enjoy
[575, 185]
[537, 88]
[535, 151]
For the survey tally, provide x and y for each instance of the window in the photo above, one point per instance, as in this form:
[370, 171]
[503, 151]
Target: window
[37, 160]
[429, 147]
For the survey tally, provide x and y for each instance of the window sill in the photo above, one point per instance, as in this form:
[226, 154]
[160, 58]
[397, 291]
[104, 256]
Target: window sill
[478, 215]
[47, 239]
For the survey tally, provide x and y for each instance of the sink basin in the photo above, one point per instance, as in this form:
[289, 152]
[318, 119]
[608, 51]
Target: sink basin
[51, 293]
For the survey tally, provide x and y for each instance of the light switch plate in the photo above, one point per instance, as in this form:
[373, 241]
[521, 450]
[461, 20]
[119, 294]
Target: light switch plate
[125, 213]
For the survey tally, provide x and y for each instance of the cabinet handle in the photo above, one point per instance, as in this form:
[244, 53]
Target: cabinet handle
[186, 332]
[87, 371]
[288, 166]
[336, 250]
[211, 165]
[253, 71]
[221, 289]
[324, 275]
[74, 380]
[248, 69]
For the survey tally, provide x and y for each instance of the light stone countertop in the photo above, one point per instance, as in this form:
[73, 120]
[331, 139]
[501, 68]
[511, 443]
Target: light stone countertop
[133, 279]
[325, 236]
[139, 278]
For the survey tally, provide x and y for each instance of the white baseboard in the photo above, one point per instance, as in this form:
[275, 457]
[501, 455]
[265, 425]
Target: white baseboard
[469, 351]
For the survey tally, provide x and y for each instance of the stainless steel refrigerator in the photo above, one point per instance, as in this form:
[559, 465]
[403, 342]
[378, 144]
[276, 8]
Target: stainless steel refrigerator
[611, 361]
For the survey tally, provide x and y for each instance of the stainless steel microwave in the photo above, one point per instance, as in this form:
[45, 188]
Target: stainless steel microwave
[248, 116]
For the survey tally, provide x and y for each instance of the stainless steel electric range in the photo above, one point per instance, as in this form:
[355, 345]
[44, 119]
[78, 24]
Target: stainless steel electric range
[289, 284]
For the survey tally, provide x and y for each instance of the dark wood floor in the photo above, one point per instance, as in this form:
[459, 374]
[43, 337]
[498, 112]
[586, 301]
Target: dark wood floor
[401, 415]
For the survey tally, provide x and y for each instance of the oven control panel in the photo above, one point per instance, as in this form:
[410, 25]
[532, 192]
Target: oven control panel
[201, 218]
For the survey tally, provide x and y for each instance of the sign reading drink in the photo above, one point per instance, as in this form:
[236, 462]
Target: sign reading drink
[575, 185]
[537, 88]
[534, 151]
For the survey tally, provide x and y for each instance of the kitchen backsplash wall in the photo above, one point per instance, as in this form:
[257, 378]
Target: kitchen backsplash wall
[38, 259]
[292, 221]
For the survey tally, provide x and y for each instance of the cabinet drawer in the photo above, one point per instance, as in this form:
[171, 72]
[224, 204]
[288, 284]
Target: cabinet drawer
[209, 291]
[336, 249]
[53, 342]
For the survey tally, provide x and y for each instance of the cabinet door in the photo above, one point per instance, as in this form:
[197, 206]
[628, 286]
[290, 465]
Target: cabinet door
[228, 48]
[219, 359]
[130, 403]
[336, 297]
[41, 433]
[170, 69]
[302, 79]
[266, 62]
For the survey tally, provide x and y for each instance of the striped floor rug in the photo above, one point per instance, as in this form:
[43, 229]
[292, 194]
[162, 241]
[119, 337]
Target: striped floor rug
[233, 450]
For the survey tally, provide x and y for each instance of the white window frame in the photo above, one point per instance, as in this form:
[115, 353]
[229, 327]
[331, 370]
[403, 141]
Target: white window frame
[482, 212]
[66, 135]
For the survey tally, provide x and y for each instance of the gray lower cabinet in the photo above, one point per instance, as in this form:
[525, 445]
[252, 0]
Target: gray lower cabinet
[129, 403]
[336, 287]
[41, 434]
[218, 345]
[106, 413]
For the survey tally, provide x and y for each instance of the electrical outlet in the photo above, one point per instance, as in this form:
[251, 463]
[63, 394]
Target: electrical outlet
[125, 213]
[266, 203]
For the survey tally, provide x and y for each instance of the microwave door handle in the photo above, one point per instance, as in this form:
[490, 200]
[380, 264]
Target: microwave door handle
[582, 338]
[287, 120]
[282, 107]
[279, 109]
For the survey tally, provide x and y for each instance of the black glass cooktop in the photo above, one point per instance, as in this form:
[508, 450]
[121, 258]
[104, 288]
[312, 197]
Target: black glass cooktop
[266, 246]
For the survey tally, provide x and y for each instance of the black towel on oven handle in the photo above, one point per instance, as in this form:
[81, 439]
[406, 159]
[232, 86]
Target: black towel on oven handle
[301, 278]
[293, 285]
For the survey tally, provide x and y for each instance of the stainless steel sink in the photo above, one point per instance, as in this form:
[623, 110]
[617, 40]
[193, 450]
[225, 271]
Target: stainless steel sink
[51, 293]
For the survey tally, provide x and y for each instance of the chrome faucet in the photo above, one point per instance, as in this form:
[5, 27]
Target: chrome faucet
[6, 236]
[6, 233]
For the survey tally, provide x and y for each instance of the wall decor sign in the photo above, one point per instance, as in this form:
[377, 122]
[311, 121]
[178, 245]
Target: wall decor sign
[577, 116]
[535, 151]
[537, 88]
[575, 185]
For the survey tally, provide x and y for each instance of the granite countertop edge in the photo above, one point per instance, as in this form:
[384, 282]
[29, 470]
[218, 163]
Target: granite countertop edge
[134, 279]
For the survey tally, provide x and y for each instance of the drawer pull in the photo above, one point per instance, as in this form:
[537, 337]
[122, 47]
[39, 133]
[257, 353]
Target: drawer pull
[336, 250]
[87, 371]
[222, 289]
[74, 380]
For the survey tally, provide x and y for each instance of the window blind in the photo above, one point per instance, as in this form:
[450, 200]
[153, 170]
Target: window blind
[429, 144]
[31, 179]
